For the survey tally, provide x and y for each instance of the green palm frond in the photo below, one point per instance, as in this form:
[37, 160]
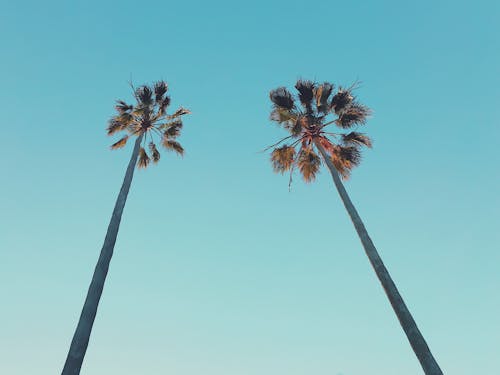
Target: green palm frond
[172, 145]
[341, 100]
[282, 158]
[121, 143]
[359, 139]
[143, 161]
[306, 93]
[160, 88]
[355, 114]
[308, 162]
[322, 93]
[282, 98]
[155, 154]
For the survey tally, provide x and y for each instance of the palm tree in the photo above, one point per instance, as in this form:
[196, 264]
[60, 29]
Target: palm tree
[147, 118]
[320, 106]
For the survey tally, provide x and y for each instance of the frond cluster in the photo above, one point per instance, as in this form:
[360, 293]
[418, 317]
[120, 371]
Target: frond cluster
[306, 116]
[148, 117]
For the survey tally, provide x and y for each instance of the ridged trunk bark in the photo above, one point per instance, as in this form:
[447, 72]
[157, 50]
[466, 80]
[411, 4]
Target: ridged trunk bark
[406, 320]
[81, 337]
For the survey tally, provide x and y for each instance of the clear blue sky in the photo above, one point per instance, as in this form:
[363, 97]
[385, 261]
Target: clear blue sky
[218, 269]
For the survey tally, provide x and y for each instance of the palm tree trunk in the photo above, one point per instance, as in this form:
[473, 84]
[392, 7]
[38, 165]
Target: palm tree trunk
[82, 334]
[416, 339]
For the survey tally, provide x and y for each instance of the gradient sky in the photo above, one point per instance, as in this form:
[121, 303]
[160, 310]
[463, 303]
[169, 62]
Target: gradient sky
[218, 269]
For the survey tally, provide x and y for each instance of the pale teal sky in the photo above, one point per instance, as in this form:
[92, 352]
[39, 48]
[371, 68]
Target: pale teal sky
[218, 269]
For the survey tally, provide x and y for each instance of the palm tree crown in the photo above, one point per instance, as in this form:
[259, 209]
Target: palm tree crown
[307, 124]
[148, 117]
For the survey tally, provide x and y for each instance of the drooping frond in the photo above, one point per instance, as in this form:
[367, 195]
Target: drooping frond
[160, 89]
[173, 129]
[144, 95]
[122, 107]
[155, 154]
[354, 138]
[282, 98]
[121, 143]
[306, 93]
[341, 100]
[355, 114]
[308, 163]
[282, 158]
[345, 159]
[172, 145]
[163, 104]
[322, 93]
[143, 161]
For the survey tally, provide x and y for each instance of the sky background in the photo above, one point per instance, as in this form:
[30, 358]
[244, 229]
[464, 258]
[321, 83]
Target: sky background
[218, 269]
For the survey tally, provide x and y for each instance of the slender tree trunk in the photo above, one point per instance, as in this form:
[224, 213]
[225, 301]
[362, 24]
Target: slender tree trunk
[416, 339]
[82, 334]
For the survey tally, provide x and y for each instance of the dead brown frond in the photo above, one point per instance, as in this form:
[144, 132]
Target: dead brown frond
[180, 112]
[155, 154]
[322, 93]
[282, 98]
[356, 139]
[282, 158]
[114, 126]
[308, 163]
[121, 143]
[172, 145]
[143, 161]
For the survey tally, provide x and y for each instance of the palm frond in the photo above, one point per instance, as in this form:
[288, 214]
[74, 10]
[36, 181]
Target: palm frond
[144, 95]
[282, 158]
[355, 114]
[122, 107]
[322, 93]
[160, 89]
[173, 130]
[143, 161]
[359, 139]
[297, 126]
[308, 162]
[172, 145]
[345, 158]
[163, 104]
[281, 98]
[306, 93]
[155, 154]
[121, 143]
[180, 112]
[341, 100]
[281, 115]
[115, 125]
